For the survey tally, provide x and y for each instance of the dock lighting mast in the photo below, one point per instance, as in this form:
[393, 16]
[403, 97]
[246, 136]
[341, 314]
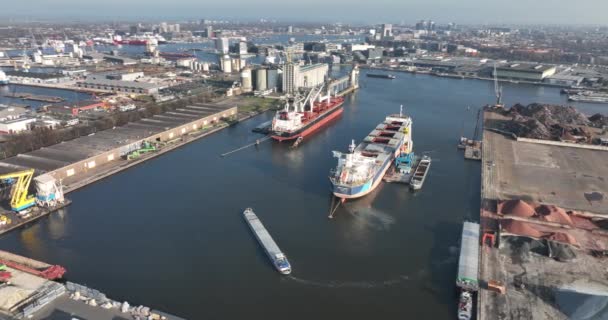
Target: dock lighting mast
[497, 88]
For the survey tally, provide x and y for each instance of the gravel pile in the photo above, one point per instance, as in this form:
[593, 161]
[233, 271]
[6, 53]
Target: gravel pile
[551, 122]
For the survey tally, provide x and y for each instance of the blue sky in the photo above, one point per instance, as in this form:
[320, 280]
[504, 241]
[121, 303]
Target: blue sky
[371, 11]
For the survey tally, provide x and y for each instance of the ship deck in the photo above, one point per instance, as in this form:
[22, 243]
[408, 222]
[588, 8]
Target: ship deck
[262, 234]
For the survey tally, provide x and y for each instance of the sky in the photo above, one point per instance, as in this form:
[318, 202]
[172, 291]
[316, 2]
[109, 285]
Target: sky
[590, 12]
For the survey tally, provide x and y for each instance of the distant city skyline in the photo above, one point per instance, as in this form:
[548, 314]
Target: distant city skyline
[442, 11]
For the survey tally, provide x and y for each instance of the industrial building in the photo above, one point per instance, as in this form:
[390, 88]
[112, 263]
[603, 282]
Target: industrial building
[95, 57]
[15, 125]
[525, 71]
[10, 113]
[36, 77]
[77, 157]
[296, 76]
[75, 108]
[566, 80]
[119, 86]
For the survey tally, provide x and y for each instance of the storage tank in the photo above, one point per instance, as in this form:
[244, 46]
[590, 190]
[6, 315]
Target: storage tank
[260, 80]
[226, 64]
[272, 79]
[236, 64]
[246, 80]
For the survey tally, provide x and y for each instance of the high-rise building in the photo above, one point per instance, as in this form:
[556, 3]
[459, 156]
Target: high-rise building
[209, 31]
[421, 25]
[222, 45]
[163, 28]
[290, 74]
[387, 31]
[242, 47]
[290, 29]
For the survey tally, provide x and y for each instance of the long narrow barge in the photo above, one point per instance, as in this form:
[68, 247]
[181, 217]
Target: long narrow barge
[278, 259]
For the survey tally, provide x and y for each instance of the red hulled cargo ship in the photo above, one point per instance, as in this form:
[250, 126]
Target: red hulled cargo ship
[294, 122]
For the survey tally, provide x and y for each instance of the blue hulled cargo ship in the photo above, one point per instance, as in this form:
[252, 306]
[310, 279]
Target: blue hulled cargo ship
[361, 169]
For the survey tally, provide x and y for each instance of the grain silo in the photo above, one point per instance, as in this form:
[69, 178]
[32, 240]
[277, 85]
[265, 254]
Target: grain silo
[272, 79]
[260, 80]
[226, 64]
[246, 80]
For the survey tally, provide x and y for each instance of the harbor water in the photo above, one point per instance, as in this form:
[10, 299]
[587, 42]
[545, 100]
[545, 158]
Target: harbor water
[15, 89]
[169, 233]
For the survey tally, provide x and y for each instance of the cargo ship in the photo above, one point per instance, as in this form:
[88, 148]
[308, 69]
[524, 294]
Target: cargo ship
[361, 169]
[299, 119]
[278, 259]
[382, 76]
[140, 40]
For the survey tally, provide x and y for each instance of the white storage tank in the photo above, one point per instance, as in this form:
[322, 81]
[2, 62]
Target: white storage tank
[260, 80]
[236, 64]
[226, 64]
[246, 80]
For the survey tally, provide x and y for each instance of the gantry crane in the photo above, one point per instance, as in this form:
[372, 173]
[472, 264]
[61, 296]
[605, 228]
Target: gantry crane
[20, 180]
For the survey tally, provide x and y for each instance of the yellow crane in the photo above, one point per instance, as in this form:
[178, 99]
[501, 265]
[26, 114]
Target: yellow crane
[21, 183]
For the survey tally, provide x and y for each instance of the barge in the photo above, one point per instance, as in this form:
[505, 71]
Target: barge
[381, 76]
[278, 259]
[421, 172]
[468, 269]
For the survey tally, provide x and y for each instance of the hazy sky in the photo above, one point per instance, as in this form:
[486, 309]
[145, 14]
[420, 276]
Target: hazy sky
[372, 11]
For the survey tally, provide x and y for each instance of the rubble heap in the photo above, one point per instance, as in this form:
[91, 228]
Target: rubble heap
[551, 122]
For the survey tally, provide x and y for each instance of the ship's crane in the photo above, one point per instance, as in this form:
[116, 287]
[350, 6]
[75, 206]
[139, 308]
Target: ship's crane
[21, 183]
[497, 88]
[477, 122]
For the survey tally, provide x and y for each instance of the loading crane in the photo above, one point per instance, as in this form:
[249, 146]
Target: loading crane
[21, 180]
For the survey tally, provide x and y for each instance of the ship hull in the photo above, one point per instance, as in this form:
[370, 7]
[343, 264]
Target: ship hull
[312, 126]
[344, 192]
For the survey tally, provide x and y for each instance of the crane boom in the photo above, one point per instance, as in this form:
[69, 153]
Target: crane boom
[497, 88]
[19, 197]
